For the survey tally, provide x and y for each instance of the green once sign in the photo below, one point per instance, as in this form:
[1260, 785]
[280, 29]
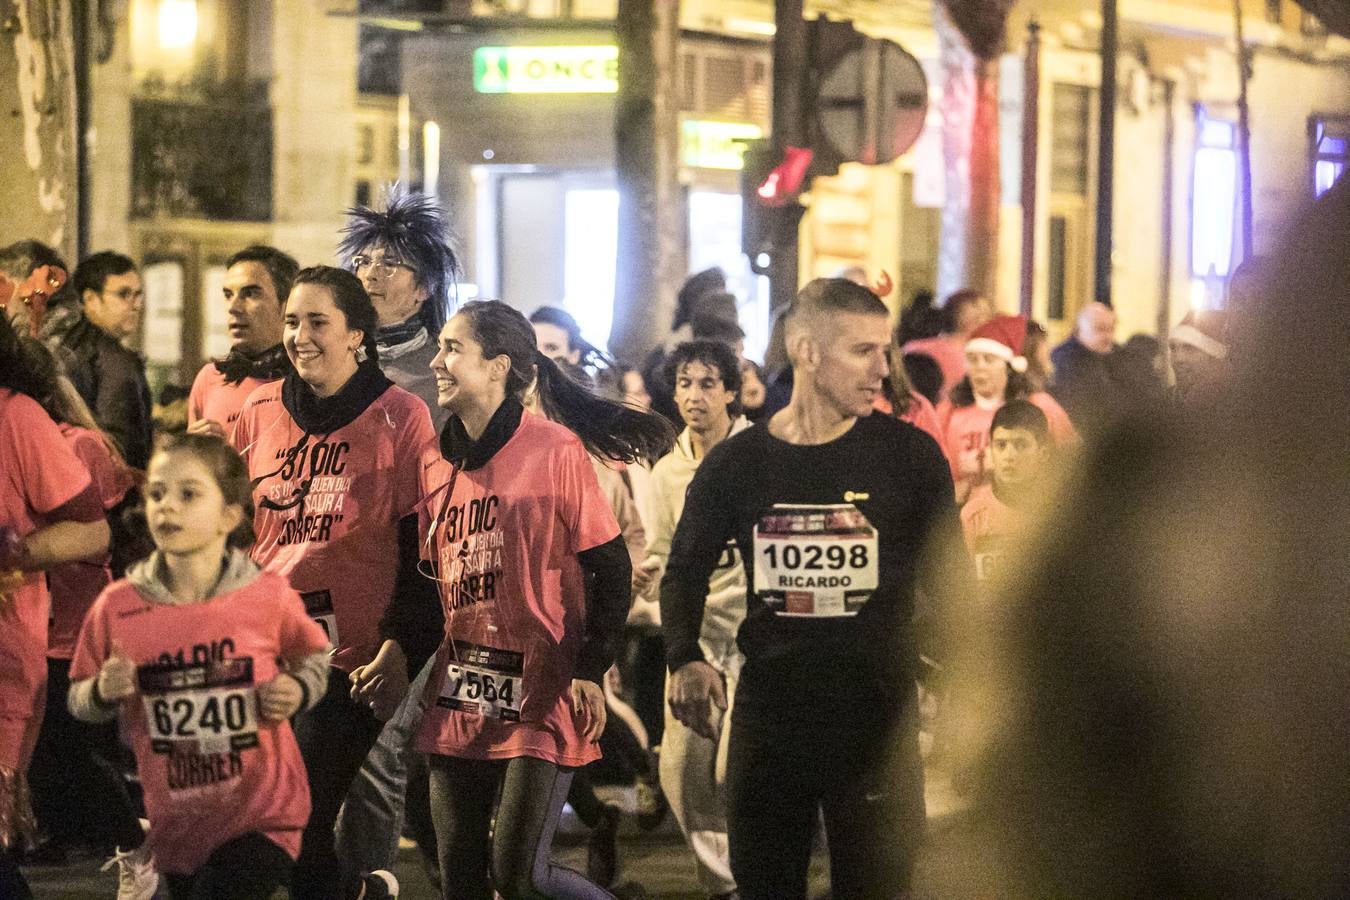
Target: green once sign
[546, 70]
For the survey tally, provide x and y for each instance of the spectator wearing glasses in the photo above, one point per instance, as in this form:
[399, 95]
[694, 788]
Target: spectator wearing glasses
[109, 375]
[404, 261]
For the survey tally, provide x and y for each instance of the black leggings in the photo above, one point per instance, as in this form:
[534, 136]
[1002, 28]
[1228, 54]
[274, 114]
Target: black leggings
[78, 793]
[516, 859]
[249, 867]
[335, 737]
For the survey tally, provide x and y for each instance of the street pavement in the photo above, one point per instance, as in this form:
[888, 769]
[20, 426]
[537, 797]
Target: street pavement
[656, 866]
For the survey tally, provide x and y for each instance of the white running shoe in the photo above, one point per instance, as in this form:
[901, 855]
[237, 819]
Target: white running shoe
[137, 878]
[379, 885]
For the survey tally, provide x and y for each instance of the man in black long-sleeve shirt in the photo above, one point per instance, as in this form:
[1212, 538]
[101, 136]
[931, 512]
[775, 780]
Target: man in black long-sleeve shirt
[831, 507]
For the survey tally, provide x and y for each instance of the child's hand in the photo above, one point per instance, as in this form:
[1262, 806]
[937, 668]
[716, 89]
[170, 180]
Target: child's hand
[117, 677]
[10, 582]
[280, 698]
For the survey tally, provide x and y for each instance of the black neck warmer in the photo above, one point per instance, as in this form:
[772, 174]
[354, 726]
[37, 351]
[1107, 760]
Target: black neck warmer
[269, 365]
[469, 454]
[324, 415]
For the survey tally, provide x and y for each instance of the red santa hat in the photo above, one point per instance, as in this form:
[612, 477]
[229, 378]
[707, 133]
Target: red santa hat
[1206, 331]
[1003, 337]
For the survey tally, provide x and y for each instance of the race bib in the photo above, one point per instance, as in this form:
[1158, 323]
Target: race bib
[319, 607]
[815, 561]
[483, 681]
[210, 708]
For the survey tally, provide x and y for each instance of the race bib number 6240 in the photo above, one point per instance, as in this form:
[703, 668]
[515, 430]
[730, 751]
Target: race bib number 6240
[213, 708]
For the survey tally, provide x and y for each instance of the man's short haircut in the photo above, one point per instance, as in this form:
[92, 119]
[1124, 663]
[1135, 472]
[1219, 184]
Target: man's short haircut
[824, 297]
[1025, 415]
[95, 270]
[714, 354]
[282, 267]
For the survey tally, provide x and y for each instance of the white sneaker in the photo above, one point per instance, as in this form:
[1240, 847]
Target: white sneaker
[379, 885]
[137, 878]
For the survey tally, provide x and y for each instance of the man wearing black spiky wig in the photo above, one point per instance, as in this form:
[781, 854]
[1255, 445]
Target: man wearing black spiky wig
[404, 260]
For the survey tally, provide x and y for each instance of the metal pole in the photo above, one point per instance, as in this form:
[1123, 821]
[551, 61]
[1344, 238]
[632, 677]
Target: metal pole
[1169, 88]
[1106, 153]
[1244, 130]
[80, 14]
[1031, 94]
[789, 129]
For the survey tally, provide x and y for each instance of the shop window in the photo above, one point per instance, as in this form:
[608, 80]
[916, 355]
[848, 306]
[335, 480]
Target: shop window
[589, 261]
[215, 314]
[1330, 151]
[1214, 180]
[1059, 228]
[1069, 139]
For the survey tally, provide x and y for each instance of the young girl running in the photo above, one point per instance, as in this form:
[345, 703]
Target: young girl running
[334, 451]
[535, 582]
[186, 649]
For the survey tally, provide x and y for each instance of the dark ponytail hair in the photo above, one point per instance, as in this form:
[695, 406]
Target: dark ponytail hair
[350, 296]
[228, 469]
[606, 428]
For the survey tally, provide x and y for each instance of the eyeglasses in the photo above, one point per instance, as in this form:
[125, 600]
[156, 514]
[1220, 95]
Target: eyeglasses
[383, 268]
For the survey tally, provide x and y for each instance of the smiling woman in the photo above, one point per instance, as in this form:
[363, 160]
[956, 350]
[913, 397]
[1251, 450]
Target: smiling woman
[333, 452]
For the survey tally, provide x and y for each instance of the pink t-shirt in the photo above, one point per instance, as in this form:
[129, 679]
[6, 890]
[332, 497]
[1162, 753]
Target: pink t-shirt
[212, 769]
[921, 413]
[965, 436]
[989, 525]
[506, 542]
[213, 399]
[38, 474]
[75, 586]
[950, 354]
[327, 516]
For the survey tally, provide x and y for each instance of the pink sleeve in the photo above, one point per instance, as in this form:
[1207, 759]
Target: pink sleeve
[92, 646]
[300, 635]
[1061, 429]
[585, 510]
[51, 474]
[417, 448]
[923, 416]
[111, 480]
[241, 435]
[195, 398]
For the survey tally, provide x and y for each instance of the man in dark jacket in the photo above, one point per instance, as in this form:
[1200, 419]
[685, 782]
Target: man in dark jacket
[1084, 382]
[110, 376]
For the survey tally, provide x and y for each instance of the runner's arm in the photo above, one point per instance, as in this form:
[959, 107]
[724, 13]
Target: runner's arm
[700, 536]
[609, 592]
[414, 618]
[86, 705]
[312, 673]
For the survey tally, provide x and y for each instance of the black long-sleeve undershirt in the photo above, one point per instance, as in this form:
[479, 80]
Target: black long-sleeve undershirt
[414, 617]
[609, 592]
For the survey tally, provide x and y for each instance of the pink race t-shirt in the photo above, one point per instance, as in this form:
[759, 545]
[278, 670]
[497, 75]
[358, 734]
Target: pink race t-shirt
[74, 586]
[921, 413]
[38, 474]
[965, 436]
[989, 525]
[326, 515]
[505, 541]
[216, 400]
[211, 768]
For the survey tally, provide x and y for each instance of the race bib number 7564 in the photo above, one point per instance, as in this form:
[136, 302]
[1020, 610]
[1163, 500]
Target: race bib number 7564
[483, 681]
[815, 561]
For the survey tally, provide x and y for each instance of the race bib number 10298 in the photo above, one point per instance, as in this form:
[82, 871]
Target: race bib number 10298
[815, 561]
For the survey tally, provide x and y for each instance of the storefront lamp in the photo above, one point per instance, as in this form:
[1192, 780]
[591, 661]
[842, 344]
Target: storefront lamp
[177, 24]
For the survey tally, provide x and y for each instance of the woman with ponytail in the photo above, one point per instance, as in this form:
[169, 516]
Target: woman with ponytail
[334, 450]
[535, 584]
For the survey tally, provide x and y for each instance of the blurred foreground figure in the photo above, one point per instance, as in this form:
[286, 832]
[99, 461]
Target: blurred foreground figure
[1169, 703]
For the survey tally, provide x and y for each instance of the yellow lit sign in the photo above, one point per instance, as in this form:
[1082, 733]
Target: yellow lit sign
[546, 70]
[706, 144]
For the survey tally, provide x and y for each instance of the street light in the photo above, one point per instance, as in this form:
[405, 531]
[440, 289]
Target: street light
[177, 24]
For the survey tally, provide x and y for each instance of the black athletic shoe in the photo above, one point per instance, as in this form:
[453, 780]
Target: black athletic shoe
[602, 850]
[378, 885]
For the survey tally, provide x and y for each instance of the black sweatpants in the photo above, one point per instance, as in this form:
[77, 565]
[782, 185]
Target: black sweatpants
[516, 860]
[249, 867]
[786, 762]
[334, 737]
[79, 795]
